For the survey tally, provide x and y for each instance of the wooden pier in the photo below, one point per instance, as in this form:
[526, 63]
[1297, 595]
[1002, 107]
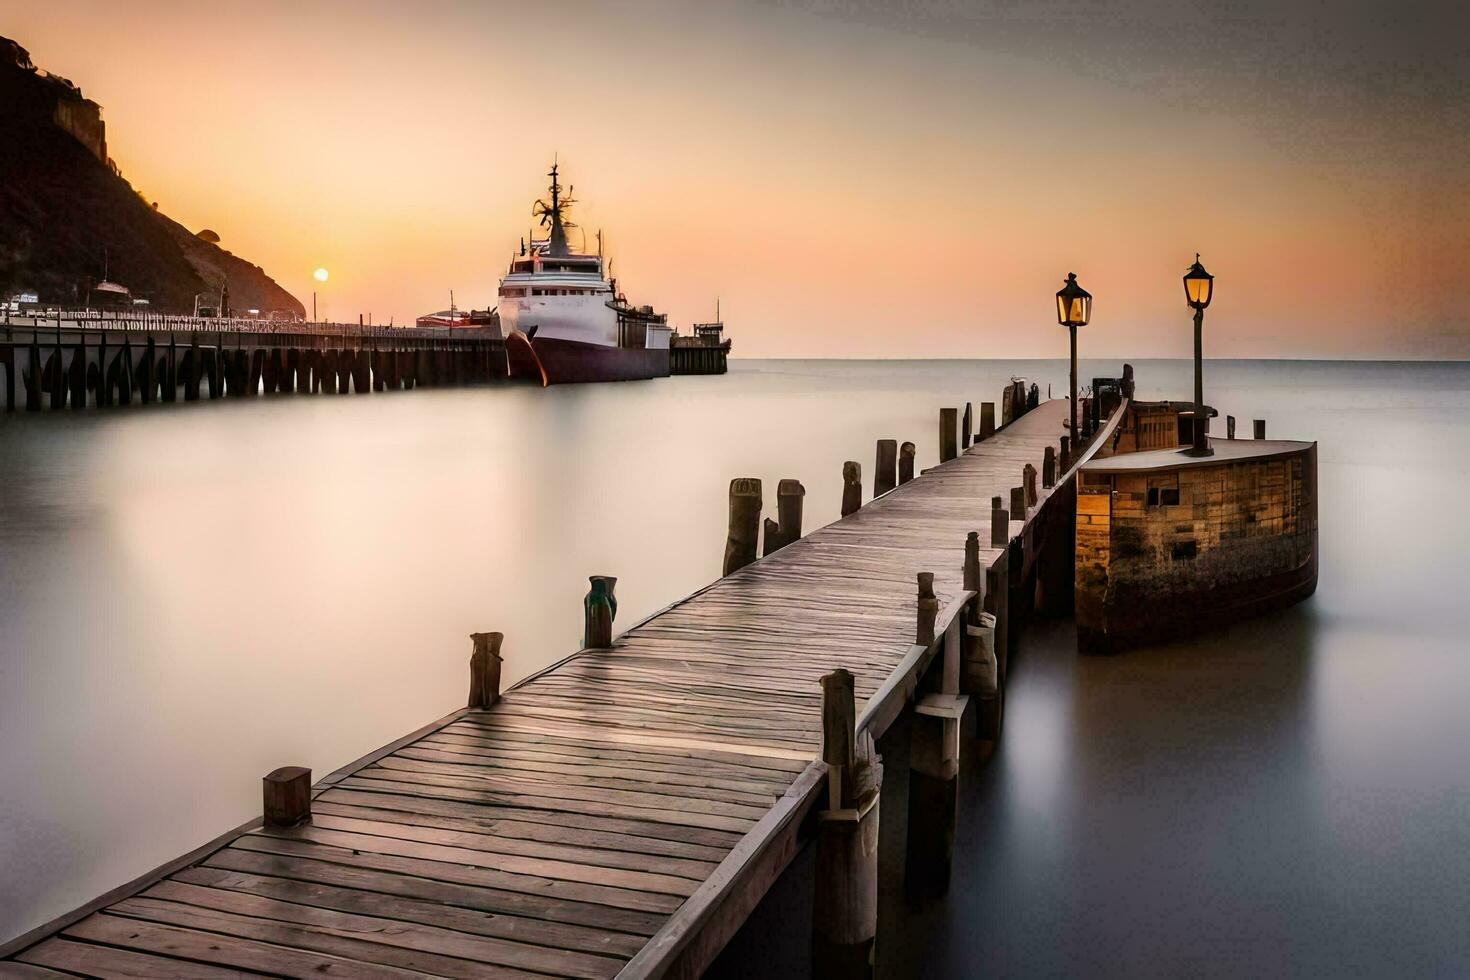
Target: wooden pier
[622, 811]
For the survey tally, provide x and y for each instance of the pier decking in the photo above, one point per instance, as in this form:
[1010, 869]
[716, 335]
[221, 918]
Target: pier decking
[620, 812]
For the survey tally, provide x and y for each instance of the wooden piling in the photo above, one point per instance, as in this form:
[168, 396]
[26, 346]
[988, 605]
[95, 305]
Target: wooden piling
[1230, 427]
[845, 900]
[934, 769]
[885, 474]
[966, 426]
[745, 523]
[972, 581]
[948, 420]
[987, 421]
[485, 669]
[1028, 483]
[1260, 428]
[905, 463]
[1049, 467]
[771, 538]
[852, 487]
[928, 610]
[790, 499]
[1018, 503]
[1000, 524]
[599, 610]
[287, 796]
[1065, 463]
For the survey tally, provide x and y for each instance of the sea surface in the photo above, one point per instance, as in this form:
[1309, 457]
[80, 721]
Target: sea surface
[192, 595]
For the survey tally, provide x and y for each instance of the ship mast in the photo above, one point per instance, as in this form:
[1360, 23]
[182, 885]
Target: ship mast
[554, 215]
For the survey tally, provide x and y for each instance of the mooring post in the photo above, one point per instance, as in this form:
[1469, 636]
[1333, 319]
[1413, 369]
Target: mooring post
[1230, 427]
[1028, 482]
[885, 475]
[967, 422]
[852, 487]
[790, 498]
[485, 669]
[1260, 428]
[905, 463]
[845, 903]
[600, 608]
[745, 523]
[928, 610]
[1049, 467]
[1066, 461]
[934, 769]
[1000, 524]
[982, 677]
[287, 793]
[972, 562]
[997, 603]
[948, 420]
[987, 421]
[1018, 503]
[771, 538]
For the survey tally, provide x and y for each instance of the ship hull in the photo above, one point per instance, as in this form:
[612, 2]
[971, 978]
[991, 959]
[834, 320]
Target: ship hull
[553, 361]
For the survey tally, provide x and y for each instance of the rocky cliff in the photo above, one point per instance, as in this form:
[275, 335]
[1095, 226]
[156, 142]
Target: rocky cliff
[66, 212]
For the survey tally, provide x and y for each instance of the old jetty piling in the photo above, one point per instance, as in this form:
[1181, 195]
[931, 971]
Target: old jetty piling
[86, 362]
[622, 812]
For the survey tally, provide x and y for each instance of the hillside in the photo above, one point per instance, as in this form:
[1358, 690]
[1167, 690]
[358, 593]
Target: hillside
[65, 211]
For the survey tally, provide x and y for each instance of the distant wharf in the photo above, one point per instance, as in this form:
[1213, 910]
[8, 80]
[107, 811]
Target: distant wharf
[621, 812]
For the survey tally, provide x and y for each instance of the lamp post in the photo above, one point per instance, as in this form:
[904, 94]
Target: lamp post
[1199, 289]
[1074, 309]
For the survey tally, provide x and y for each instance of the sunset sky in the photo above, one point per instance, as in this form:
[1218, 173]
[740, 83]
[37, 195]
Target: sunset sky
[849, 176]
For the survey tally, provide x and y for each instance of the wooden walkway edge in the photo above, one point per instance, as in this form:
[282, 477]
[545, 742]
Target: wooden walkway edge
[619, 813]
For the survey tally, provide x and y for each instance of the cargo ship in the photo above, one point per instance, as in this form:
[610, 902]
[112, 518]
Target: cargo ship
[564, 319]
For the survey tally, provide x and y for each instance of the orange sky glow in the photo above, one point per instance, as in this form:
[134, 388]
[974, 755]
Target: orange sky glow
[846, 182]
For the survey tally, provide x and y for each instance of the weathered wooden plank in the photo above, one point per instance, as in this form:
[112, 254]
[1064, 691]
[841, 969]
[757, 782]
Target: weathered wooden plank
[88, 959]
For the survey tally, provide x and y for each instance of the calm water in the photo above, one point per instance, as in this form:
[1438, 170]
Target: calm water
[193, 595]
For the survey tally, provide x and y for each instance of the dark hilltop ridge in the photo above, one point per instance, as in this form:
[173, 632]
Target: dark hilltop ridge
[68, 217]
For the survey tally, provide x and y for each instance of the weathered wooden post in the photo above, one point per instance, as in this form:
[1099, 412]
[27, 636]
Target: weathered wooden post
[852, 487]
[928, 610]
[1066, 461]
[972, 562]
[885, 475]
[485, 669]
[287, 793]
[967, 422]
[599, 610]
[1260, 427]
[845, 904]
[745, 523]
[905, 463]
[997, 603]
[948, 420]
[1000, 524]
[790, 499]
[1230, 427]
[987, 421]
[934, 769]
[771, 538]
[982, 677]
[1008, 405]
[1049, 467]
[1018, 503]
[1028, 482]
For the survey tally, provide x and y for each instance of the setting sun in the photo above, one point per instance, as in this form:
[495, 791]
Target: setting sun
[320, 275]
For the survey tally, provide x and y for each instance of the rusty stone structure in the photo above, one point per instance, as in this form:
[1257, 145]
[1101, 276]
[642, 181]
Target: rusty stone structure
[1169, 544]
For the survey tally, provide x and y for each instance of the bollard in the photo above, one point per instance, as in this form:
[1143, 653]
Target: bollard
[1260, 427]
[1065, 463]
[928, 610]
[745, 523]
[1230, 427]
[852, 487]
[1028, 483]
[790, 495]
[287, 796]
[1018, 503]
[771, 539]
[972, 562]
[948, 419]
[966, 426]
[599, 610]
[845, 899]
[905, 463]
[987, 421]
[485, 669]
[885, 476]
[1049, 468]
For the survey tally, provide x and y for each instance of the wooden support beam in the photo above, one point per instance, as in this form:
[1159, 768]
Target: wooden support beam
[987, 421]
[928, 610]
[485, 669]
[1028, 483]
[972, 580]
[1000, 524]
[1066, 461]
[948, 421]
[1018, 503]
[967, 424]
[771, 538]
[905, 463]
[885, 475]
[287, 796]
[1230, 427]
[790, 499]
[1260, 428]
[1049, 468]
[852, 487]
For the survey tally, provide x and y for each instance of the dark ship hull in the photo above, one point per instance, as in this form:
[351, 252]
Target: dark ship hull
[552, 361]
